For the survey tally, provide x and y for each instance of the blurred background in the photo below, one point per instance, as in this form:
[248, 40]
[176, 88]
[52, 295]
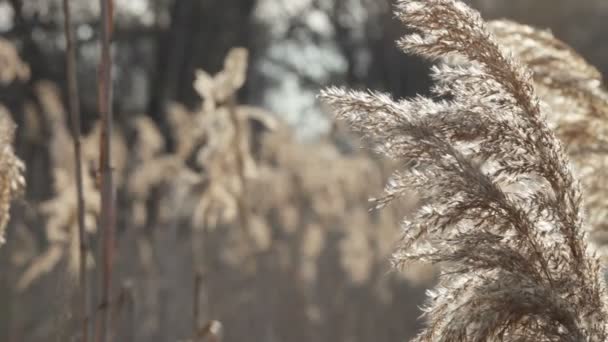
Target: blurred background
[238, 197]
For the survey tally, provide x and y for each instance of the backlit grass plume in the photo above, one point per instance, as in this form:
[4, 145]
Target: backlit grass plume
[501, 210]
[578, 111]
[12, 181]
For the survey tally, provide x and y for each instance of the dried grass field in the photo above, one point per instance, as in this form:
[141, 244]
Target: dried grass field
[220, 171]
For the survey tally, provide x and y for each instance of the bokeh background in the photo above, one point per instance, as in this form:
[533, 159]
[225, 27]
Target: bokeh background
[246, 191]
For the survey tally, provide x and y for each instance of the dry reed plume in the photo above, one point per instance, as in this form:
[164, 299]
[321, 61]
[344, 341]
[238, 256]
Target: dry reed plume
[305, 206]
[577, 109]
[501, 209]
[61, 211]
[12, 181]
[212, 158]
[12, 68]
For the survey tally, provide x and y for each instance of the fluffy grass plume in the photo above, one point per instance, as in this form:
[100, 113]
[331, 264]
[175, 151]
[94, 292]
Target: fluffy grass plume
[578, 111]
[12, 181]
[501, 209]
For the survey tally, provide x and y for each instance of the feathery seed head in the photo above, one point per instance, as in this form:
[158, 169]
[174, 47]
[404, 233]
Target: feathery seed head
[502, 212]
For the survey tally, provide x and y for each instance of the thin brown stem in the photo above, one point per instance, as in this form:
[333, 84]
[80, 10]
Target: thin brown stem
[74, 103]
[198, 283]
[105, 156]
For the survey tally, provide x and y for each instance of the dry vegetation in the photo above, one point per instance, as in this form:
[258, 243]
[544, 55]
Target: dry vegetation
[230, 228]
[577, 109]
[12, 181]
[11, 169]
[227, 210]
[501, 209]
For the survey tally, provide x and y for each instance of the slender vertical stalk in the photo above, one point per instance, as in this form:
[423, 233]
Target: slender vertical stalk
[239, 136]
[198, 283]
[107, 186]
[74, 103]
[200, 309]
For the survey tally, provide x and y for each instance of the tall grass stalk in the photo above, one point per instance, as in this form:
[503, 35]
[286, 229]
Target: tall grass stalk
[74, 104]
[107, 219]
